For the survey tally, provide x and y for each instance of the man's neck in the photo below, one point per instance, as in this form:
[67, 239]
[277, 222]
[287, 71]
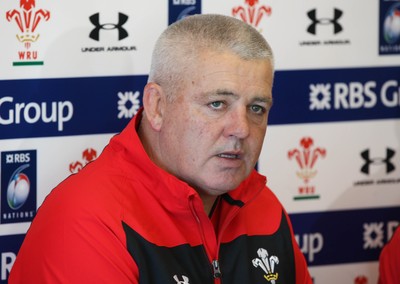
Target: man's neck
[208, 202]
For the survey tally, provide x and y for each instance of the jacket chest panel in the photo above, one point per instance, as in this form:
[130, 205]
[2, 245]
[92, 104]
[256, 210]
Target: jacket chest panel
[246, 259]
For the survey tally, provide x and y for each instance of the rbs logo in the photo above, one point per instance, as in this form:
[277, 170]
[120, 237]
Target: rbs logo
[354, 95]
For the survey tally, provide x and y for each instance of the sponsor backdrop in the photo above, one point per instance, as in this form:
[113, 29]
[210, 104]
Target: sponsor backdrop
[72, 75]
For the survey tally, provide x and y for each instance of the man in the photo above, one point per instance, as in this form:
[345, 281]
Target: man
[389, 260]
[175, 198]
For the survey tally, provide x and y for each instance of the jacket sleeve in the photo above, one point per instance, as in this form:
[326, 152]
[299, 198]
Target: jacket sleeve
[302, 273]
[389, 261]
[74, 240]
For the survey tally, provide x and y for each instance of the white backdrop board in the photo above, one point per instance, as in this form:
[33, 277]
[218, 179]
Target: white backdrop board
[73, 76]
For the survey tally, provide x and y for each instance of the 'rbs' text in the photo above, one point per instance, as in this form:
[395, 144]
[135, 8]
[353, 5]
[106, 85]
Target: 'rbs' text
[354, 95]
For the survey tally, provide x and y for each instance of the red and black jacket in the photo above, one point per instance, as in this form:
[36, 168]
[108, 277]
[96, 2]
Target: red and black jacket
[124, 220]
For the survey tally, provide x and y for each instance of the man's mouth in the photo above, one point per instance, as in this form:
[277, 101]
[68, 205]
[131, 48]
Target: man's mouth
[229, 156]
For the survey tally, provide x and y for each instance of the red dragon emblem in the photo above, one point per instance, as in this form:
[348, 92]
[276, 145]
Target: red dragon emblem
[253, 13]
[88, 155]
[27, 19]
[306, 158]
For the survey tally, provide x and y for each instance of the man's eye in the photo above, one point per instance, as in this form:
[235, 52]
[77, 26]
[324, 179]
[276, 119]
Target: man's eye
[257, 109]
[216, 105]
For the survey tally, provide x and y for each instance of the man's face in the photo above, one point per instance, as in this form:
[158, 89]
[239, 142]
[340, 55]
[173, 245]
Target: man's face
[213, 131]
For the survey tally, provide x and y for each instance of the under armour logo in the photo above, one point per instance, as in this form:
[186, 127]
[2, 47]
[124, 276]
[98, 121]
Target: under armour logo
[95, 20]
[184, 281]
[376, 161]
[325, 21]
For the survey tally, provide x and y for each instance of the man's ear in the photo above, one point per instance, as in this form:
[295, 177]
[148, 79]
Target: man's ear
[154, 104]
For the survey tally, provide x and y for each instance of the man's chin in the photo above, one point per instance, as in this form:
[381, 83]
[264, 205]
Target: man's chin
[224, 186]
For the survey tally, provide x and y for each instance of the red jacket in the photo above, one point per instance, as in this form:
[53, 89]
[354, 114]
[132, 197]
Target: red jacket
[389, 261]
[124, 220]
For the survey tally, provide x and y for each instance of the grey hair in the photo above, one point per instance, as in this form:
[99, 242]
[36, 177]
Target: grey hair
[182, 42]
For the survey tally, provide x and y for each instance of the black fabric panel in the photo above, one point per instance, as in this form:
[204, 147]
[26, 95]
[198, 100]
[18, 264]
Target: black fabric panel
[159, 265]
[236, 257]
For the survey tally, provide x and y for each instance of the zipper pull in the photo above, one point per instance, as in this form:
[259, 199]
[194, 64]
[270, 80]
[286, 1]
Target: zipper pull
[216, 269]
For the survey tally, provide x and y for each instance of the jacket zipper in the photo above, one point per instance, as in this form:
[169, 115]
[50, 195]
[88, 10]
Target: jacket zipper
[216, 270]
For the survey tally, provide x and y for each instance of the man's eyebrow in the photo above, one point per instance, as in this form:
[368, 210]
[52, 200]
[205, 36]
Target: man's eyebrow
[261, 99]
[267, 100]
[223, 92]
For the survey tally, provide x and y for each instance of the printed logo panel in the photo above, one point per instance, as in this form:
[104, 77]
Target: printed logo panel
[179, 9]
[28, 17]
[335, 95]
[306, 157]
[378, 167]
[9, 247]
[88, 155]
[389, 27]
[334, 21]
[115, 31]
[26, 109]
[344, 236]
[325, 28]
[252, 13]
[119, 27]
[71, 106]
[18, 186]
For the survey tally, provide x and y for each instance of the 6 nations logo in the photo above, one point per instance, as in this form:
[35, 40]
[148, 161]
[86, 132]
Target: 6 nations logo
[18, 186]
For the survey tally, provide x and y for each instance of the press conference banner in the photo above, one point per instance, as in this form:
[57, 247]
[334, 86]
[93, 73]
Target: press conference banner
[72, 76]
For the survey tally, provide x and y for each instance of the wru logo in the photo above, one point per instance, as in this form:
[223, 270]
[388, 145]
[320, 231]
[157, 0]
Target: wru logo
[27, 19]
[306, 158]
[253, 14]
[267, 264]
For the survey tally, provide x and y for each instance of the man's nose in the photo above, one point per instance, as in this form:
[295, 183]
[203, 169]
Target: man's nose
[238, 123]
